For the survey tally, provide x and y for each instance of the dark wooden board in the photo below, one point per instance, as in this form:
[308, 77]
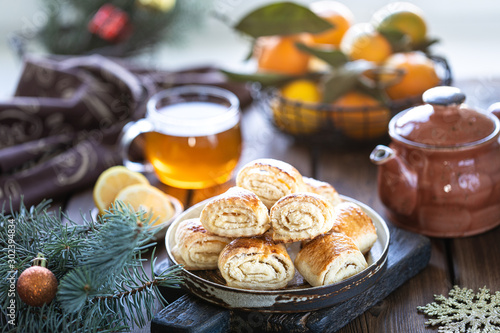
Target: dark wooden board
[408, 254]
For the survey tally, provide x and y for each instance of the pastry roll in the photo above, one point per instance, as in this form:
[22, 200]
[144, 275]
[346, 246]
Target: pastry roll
[195, 248]
[350, 220]
[322, 188]
[256, 263]
[270, 180]
[329, 259]
[236, 213]
[300, 216]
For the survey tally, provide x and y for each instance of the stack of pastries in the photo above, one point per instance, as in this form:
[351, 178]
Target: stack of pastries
[243, 232]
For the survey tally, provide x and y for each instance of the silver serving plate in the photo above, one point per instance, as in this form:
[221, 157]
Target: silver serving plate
[298, 296]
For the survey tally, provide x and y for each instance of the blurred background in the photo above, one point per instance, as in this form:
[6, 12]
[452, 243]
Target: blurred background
[468, 33]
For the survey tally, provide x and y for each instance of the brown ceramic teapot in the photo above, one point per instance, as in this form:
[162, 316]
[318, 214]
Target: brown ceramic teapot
[440, 175]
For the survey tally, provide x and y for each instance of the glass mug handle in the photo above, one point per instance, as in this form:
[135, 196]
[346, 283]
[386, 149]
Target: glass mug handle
[129, 133]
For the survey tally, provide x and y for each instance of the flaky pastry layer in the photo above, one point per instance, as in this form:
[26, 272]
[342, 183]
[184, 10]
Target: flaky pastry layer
[329, 259]
[270, 180]
[256, 263]
[300, 216]
[196, 248]
[236, 213]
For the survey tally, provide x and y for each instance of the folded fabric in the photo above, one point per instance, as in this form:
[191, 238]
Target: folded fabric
[60, 130]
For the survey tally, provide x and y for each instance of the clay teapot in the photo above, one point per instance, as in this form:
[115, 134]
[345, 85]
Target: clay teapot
[440, 175]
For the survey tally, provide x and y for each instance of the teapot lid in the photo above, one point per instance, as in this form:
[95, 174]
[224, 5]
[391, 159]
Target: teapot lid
[443, 121]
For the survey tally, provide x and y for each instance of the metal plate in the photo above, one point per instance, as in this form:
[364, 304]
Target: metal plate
[298, 296]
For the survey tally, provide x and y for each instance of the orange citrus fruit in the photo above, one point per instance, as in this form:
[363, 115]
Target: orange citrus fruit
[149, 199]
[360, 116]
[419, 74]
[403, 17]
[302, 90]
[112, 181]
[279, 54]
[361, 41]
[338, 14]
[296, 114]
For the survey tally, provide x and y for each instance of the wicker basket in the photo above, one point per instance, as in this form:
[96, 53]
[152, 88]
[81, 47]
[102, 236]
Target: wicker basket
[327, 123]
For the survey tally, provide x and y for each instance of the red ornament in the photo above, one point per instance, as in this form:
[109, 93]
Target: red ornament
[110, 23]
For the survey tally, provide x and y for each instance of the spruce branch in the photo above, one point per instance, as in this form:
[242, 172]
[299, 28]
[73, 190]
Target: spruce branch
[102, 283]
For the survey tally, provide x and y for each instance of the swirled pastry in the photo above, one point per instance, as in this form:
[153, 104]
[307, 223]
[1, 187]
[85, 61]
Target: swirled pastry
[352, 221]
[256, 263]
[322, 188]
[236, 213]
[270, 180]
[329, 259]
[300, 216]
[195, 248]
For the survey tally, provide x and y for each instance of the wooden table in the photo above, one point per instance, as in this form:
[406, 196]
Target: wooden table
[471, 262]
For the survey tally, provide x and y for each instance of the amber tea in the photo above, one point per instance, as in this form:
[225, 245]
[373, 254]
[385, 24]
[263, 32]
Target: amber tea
[192, 139]
[198, 158]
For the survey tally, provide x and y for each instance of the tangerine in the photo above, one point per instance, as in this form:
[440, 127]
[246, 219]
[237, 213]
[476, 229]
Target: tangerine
[419, 74]
[279, 54]
[296, 114]
[302, 90]
[336, 13]
[404, 17]
[363, 42]
[360, 116]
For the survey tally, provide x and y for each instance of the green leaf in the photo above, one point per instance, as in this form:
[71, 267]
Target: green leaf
[337, 84]
[333, 57]
[424, 45]
[283, 18]
[344, 79]
[266, 79]
[400, 42]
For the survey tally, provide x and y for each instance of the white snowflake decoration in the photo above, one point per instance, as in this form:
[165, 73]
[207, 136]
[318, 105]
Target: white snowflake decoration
[465, 311]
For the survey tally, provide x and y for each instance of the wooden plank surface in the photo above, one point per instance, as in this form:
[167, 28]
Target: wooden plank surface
[476, 261]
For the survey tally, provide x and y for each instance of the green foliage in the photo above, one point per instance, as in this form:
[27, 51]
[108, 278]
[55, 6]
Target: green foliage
[282, 18]
[332, 57]
[346, 78]
[99, 266]
[66, 32]
[465, 311]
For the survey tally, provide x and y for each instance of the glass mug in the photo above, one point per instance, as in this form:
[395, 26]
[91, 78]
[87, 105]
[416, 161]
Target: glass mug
[192, 136]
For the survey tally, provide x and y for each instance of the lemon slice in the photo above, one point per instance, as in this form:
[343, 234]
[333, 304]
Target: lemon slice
[149, 199]
[112, 181]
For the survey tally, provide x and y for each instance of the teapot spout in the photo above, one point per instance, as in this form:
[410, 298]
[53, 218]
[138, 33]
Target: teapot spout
[397, 181]
[382, 154]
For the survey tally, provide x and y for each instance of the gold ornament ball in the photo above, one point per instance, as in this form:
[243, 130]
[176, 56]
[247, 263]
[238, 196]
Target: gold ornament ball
[37, 286]
[158, 5]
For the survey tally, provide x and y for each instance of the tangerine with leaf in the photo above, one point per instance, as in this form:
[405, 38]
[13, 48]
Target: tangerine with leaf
[363, 42]
[419, 74]
[296, 113]
[279, 54]
[338, 14]
[360, 116]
